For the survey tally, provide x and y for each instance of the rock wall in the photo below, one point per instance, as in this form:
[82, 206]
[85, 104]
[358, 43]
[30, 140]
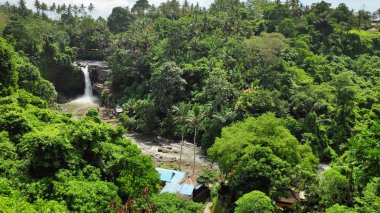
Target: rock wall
[98, 70]
[68, 80]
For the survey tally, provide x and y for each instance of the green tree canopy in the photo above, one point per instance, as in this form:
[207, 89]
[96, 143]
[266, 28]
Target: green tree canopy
[242, 143]
[119, 20]
[254, 201]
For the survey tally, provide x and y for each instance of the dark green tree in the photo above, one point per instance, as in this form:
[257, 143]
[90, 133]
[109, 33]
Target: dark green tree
[8, 73]
[120, 19]
[140, 6]
[167, 86]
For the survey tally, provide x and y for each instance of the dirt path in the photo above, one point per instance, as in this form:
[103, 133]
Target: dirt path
[208, 207]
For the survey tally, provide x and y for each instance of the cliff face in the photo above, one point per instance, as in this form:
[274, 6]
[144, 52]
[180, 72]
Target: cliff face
[68, 80]
[98, 70]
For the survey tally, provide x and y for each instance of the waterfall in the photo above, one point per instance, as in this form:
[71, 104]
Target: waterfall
[88, 96]
[88, 100]
[88, 87]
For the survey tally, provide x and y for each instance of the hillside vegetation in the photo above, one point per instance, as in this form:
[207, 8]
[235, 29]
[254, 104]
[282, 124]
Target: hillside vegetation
[268, 89]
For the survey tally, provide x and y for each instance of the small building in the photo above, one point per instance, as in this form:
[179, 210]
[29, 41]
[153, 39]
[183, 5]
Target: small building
[175, 182]
[201, 193]
[118, 109]
[292, 198]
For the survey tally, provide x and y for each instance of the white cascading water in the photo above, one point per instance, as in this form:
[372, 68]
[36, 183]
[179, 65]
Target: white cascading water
[80, 105]
[88, 87]
[88, 96]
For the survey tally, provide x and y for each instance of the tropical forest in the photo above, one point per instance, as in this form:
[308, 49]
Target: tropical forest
[246, 106]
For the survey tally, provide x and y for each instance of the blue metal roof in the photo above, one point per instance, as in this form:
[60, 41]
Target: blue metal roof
[171, 188]
[172, 179]
[165, 175]
[187, 189]
[178, 177]
[170, 175]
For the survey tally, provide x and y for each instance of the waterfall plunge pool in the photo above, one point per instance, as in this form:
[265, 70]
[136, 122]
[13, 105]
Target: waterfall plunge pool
[83, 103]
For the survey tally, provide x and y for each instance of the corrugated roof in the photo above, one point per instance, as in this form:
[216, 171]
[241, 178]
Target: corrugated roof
[165, 175]
[173, 179]
[171, 188]
[172, 176]
[187, 189]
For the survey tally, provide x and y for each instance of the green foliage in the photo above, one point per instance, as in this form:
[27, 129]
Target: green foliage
[218, 90]
[18, 73]
[334, 187]
[259, 154]
[315, 67]
[119, 20]
[208, 176]
[140, 6]
[84, 163]
[48, 150]
[254, 201]
[256, 102]
[171, 203]
[370, 202]
[336, 208]
[19, 204]
[30, 80]
[8, 73]
[143, 115]
[87, 196]
[167, 86]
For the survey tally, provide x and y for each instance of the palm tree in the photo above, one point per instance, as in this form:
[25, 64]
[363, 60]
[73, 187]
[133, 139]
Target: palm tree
[44, 7]
[52, 9]
[225, 116]
[196, 117]
[58, 10]
[91, 7]
[82, 9]
[182, 118]
[69, 10]
[37, 5]
[75, 10]
[22, 5]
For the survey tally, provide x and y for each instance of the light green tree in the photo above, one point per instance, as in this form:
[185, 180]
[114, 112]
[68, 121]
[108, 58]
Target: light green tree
[253, 202]
[334, 188]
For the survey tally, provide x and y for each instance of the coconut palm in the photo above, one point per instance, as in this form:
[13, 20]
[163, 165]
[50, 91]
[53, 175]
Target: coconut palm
[37, 5]
[75, 10]
[91, 7]
[44, 7]
[195, 121]
[181, 117]
[82, 9]
[52, 9]
[22, 5]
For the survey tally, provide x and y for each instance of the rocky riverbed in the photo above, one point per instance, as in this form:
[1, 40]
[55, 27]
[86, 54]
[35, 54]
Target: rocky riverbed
[166, 153]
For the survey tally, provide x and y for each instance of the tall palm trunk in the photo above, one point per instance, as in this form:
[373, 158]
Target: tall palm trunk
[195, 136]
[180, 155]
